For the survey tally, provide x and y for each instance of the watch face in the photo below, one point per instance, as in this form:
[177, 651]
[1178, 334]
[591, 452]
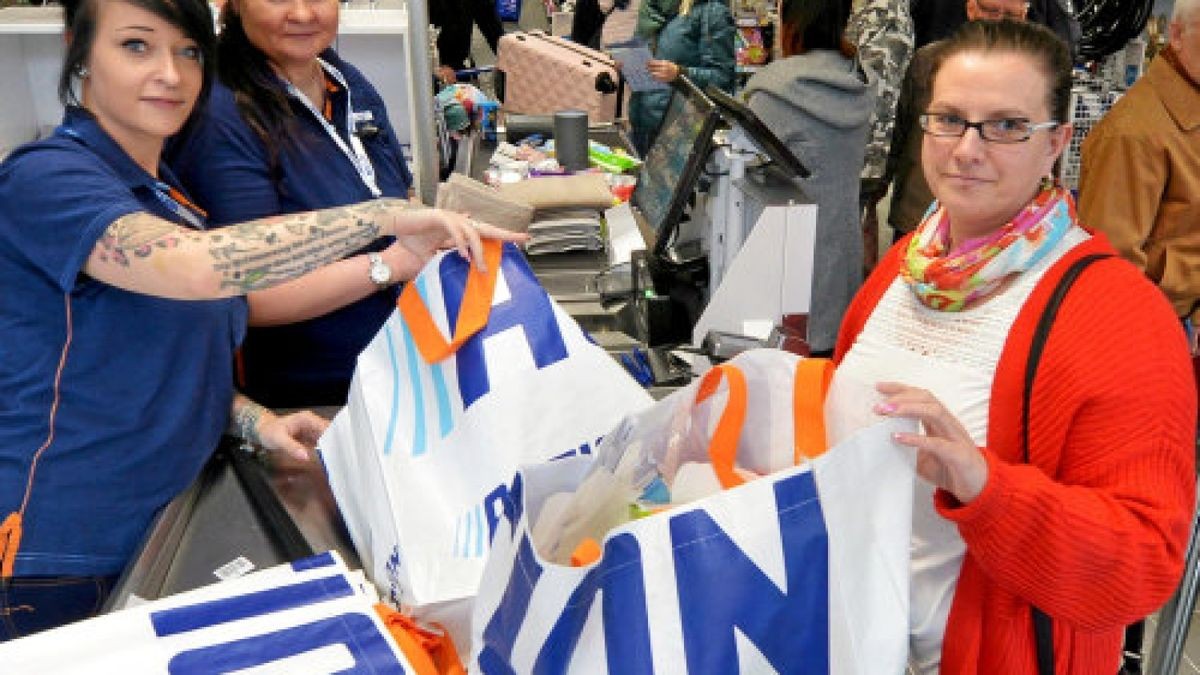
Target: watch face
[379, 272]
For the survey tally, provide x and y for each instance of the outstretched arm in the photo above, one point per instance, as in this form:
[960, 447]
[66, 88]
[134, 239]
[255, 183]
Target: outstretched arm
[146, 254]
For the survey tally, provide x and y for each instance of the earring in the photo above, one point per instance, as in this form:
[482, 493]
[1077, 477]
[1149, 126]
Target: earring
[1047, 182]
[81, 71]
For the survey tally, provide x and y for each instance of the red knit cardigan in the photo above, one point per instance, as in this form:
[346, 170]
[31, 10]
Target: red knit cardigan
[1094, 531]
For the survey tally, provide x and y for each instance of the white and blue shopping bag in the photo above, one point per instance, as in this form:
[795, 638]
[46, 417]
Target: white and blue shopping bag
[305, 618]
[801, 571]
[472, 376]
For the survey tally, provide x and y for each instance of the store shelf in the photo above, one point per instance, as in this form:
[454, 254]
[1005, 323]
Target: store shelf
[31, 20]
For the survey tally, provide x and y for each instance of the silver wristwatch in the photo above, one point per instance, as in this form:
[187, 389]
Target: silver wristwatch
[378, 271]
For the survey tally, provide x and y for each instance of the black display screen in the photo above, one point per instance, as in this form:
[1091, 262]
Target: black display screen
[673, 163]
[740, 115]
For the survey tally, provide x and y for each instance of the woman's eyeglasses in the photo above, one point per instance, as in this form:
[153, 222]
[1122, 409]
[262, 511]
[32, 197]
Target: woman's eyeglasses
[1004, 130]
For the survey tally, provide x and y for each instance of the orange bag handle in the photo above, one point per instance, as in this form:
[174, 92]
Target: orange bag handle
[808, 407]
[810, 384]
[472, 313]
[722, 448]
[428, 652]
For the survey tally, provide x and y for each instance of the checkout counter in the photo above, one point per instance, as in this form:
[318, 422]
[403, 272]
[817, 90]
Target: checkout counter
[242, 513]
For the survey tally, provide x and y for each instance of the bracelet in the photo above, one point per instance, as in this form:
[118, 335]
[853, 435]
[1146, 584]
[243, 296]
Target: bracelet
[246, 420]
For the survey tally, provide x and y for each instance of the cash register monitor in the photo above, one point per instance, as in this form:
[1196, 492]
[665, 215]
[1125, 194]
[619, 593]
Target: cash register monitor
[739, 115]
[673, 163]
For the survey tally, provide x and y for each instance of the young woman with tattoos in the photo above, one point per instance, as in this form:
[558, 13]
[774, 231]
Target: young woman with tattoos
[120, 313]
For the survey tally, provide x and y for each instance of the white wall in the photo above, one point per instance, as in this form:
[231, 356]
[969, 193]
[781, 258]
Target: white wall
[31, 57]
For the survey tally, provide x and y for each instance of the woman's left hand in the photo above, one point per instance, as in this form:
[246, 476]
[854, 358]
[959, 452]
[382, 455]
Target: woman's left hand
[663, 71]
[296, 434]
[946, 455]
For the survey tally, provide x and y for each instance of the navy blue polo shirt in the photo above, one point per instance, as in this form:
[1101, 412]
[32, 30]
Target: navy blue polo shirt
[145, 385]
[227, 169]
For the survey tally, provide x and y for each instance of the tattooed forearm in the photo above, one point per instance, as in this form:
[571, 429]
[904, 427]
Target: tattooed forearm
[147, 254]
[136, 235]
[246, 266]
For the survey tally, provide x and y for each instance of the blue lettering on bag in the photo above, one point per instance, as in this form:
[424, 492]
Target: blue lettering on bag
[528, 307]
[789, 626]
[584, 448]
[501, 630]
[720, 590]
[356, 632]
[501, 501]
[204, 614]
[626, 627]
[627, 630]
[469, 532]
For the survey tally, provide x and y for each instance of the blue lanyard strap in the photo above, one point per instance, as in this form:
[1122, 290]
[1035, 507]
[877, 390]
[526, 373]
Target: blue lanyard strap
[354, 151]
[180, 205]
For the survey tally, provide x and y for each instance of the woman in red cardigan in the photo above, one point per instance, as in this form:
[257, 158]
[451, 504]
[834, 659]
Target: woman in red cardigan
[1088, 519]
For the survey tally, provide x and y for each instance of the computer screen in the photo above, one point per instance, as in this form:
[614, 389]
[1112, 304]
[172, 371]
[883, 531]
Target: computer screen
[740, 115]
[673, 163]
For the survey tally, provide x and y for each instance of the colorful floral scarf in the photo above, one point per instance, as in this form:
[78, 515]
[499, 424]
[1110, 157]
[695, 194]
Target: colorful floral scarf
[953, 280]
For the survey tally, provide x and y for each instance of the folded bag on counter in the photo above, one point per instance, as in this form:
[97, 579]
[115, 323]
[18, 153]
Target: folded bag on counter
[482, 202]
[308, 617]
[581, 190]
[473, 375]
[803, 570]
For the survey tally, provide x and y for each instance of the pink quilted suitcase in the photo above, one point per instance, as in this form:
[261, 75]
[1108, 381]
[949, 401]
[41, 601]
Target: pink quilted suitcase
[544, 74]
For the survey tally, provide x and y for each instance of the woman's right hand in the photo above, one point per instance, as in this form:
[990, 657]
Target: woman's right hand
[946, 455]
[425, 231]
[663, 71]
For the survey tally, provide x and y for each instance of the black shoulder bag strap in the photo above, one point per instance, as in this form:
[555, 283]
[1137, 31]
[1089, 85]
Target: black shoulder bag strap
[1041, 622]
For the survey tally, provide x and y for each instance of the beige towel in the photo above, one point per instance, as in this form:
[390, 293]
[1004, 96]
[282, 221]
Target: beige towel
[483, 203]
[549, 192]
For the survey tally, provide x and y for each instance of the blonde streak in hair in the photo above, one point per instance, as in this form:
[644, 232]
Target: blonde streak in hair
[684, 7]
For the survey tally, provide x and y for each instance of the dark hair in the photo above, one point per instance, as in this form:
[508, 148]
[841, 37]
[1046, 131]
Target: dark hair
[1041, 44]
[244, 68]
[814, 24]
[191, 17]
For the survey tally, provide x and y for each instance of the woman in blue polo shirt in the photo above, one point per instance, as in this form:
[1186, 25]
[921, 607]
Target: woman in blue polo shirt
[120, 313]
[292, 127]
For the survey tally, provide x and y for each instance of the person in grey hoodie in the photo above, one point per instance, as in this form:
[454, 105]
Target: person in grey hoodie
[818, 101]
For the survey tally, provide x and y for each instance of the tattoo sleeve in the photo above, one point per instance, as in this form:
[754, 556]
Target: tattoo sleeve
[254, 255]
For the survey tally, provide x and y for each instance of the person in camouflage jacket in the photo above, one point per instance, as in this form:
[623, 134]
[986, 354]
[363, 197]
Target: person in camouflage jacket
[882, 30]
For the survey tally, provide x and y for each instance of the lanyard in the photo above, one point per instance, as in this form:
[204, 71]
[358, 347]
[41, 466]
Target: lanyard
[180, 205]
[354, 152]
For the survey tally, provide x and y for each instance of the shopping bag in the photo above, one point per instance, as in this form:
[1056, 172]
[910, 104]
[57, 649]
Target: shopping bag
[472, 376]
[696, 442]
[309, 617]
[803, 570]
